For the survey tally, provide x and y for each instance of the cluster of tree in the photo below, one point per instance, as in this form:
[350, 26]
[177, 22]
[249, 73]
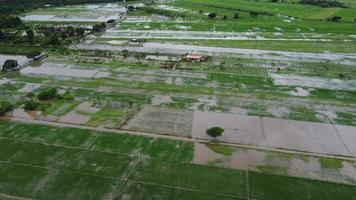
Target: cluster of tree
[57, 35]
[48, 94]
[10, 65]
[168, 13]
[323, 3]
[99, 27]
[8, 21]
[5, 107]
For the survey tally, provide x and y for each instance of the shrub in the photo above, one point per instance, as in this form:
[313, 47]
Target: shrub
[5, 107]
[33, 54]
[253, 13]
[31, 105]
[335, 19]
[48, 94]
[212, 15]
[323, 3]
[236, 15]
[10, 65]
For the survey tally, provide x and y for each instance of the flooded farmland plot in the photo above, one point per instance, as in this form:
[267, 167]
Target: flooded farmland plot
[276, 133]
[310, 167]
[80, 115]
[77, 13]
[162, 121]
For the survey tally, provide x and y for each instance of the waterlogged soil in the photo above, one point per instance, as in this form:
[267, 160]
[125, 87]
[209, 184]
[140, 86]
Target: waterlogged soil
[314, 82]
[276, 163]
[313, 137]
[21, 113]
[84, 13]
[63, 70]
[162, 121]
[80, 115]
[160, 99]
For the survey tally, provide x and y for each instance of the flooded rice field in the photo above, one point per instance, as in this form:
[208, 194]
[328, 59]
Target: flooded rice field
[313, 137]
[275, 162]
[80, 115]
[314, 82]
[162, 120]
[60, 70]
[83, 13]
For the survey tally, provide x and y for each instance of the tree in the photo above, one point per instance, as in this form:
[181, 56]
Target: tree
[10, 65]
[5, 107]
[215, 131]
[31, 105]
[212, 15]
[33, 54]
[125, 53]
[30, 34]
[54, 40]
[2, 35]
[225, 17]
[48, 94]
[97, 28]
[253, 13]
[80, 31]
[111, 21]
[103, 25]
[236, 16]
[335, 19]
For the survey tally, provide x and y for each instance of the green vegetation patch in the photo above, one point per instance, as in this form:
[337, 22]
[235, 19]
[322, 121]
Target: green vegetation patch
[221, 181]
[141, 191]
[221, 149]
[272, 187]
[48, 134]
[156, 148]
[328, 163]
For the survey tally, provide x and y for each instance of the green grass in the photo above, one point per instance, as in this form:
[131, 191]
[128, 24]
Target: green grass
[330, 163]
[302, 113]
[60, 107]
[111, 118]
[346, 118]
[221, 149]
